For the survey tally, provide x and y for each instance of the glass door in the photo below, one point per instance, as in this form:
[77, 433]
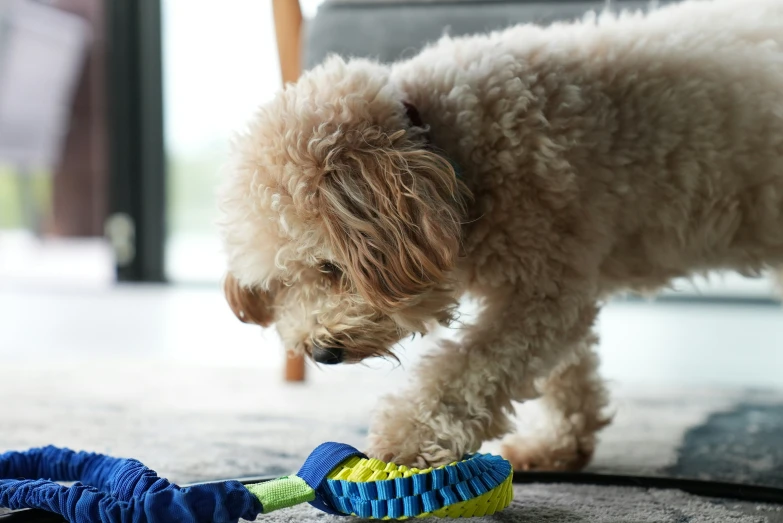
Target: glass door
[219, 64]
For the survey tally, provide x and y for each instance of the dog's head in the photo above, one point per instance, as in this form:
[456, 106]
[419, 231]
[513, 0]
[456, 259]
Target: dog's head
[341, 226]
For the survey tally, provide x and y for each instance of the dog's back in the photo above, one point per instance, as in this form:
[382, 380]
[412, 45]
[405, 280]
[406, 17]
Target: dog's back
[656, 139]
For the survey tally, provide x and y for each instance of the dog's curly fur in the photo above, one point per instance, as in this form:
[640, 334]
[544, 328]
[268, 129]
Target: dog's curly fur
[615, 153]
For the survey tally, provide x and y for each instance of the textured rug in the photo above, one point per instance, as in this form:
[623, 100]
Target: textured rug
[590, 504]
[200, 423]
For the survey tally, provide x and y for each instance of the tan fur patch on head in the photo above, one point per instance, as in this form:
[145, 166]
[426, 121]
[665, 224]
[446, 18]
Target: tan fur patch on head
[393, 213]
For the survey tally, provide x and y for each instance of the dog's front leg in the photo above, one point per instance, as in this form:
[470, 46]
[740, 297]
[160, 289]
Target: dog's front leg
[462, 393]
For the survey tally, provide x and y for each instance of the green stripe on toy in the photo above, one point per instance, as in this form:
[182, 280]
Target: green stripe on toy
[282, 493]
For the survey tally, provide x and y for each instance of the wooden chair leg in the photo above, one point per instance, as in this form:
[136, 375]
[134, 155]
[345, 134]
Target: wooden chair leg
[288, 30]
[295, 367]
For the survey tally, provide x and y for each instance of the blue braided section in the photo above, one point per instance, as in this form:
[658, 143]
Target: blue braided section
[110, 490]
[317, 467]
[420, 493]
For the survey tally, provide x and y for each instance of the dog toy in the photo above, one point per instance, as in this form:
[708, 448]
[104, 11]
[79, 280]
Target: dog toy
[336, 478]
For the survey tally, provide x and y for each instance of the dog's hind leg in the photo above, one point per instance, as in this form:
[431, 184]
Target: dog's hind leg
[574, 399]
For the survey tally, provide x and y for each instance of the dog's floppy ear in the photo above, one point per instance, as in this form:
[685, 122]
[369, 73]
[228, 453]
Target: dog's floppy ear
[249, 305]
[393, 211]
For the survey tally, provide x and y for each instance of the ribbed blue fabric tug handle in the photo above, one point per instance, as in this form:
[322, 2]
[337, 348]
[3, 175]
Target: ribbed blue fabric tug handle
[113, 490]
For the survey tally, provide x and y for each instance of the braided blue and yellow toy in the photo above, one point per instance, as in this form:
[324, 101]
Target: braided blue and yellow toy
[335, 478]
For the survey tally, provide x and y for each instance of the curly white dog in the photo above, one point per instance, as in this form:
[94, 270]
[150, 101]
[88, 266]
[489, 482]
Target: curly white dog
[539, 169]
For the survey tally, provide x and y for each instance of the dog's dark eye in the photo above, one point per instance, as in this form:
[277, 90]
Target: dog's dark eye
[330, 268]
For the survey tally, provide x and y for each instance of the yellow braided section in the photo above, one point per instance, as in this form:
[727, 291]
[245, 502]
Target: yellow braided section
[485, 505]
[360, 470]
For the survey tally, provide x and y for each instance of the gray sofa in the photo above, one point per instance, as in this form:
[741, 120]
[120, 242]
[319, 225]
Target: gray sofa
[388, 30]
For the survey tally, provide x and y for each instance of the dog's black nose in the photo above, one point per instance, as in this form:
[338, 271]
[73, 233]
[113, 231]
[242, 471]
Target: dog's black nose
[328, 355]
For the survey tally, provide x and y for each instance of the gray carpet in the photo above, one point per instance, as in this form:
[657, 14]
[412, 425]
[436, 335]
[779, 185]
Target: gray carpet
[729, 435]
[588, 504]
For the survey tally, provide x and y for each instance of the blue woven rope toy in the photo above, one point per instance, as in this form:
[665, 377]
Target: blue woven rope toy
[335, 478]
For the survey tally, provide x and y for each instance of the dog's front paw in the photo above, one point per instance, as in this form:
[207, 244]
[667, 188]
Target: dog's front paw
[420, 455]
[402, 436]
[566, 452]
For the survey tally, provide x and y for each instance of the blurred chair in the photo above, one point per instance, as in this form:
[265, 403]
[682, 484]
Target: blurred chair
[389, 30]
[42, 51]
[288, 29]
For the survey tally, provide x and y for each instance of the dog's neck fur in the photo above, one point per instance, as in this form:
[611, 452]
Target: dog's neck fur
[415, 120]
[413, 115]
